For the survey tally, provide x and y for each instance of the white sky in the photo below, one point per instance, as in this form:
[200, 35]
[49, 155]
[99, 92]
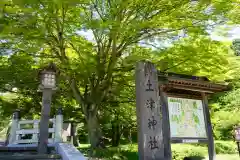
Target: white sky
[216, 34]
[233, 33]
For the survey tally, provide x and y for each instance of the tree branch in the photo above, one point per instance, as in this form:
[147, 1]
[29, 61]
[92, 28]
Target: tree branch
[76, 92]
[95, 7]
[177, 64]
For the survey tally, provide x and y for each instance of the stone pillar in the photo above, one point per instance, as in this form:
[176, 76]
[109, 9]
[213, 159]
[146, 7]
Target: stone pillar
[44, 122]
[14, 127]
[149, 117]
[35, 135]
[58, 126]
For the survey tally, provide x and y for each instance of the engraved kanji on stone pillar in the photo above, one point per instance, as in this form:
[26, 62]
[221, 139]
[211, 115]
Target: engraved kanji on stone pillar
[150, 141]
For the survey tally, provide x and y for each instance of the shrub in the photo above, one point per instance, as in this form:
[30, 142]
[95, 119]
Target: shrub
[225, 147]
[180, 151]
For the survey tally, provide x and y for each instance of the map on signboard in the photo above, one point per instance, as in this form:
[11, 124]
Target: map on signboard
[186, 118]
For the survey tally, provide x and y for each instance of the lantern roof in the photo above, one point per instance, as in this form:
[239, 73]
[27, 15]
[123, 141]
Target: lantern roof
[50, 67]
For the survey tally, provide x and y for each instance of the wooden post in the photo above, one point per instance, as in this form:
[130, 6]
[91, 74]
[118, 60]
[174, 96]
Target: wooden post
[211, 148]
[149, 119]
[165, 119]
[14, 127]
[58, 126]
[238, 148]
[236, 137]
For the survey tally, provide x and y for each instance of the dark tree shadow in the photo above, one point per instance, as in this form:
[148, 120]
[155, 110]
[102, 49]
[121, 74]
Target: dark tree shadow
[194, 158]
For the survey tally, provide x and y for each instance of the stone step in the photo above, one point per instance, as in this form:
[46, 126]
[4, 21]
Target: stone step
[21, 149]
[31, 150]
[27, 153]
[22, 156]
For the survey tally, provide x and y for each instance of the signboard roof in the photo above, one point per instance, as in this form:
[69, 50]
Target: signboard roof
[191, 83]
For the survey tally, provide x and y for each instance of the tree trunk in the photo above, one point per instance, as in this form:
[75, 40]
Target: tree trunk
[90, 113]
[74, 134]
[75, 141]
[130, 136]
[115, 134]
[94, 131]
